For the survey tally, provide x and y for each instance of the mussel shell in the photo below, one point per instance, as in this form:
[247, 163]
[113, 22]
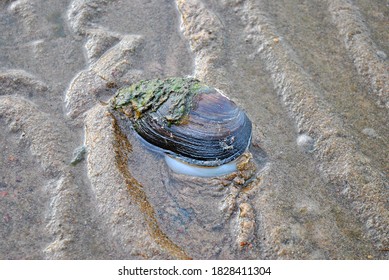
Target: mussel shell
[211, 131]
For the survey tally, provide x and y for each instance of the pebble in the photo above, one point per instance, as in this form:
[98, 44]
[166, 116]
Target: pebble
[78, 155]
[305, 142]
[382, 55]
[370, 132]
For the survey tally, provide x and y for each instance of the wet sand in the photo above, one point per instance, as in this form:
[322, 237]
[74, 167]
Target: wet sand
[311, 75]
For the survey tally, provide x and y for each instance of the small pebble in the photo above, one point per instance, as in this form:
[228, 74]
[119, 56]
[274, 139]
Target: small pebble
[78, 155]
[370, 132]
[305, 142]
[382, 55]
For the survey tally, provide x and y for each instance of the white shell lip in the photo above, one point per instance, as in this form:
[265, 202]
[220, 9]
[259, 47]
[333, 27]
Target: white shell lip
[181, 167]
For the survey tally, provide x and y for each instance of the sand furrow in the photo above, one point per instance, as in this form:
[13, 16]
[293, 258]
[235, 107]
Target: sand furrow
[338, 158]
[368, 59]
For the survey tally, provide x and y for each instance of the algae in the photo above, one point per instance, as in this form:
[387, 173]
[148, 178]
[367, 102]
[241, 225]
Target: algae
[149, 95]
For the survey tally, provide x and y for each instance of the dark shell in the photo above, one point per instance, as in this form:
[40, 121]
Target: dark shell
[186, 119]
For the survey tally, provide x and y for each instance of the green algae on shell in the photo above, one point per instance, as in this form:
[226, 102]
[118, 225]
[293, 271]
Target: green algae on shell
[186, 119]
[150, 95]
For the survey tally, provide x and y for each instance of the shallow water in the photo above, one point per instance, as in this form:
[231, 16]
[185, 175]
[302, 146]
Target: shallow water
[296, 69]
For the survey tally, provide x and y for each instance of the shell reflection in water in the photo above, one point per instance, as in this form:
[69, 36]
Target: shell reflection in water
[200, 130]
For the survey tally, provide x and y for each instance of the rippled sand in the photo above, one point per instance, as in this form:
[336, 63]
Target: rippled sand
[311, 75]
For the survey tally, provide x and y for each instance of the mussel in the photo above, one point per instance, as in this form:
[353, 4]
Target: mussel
[195, 125]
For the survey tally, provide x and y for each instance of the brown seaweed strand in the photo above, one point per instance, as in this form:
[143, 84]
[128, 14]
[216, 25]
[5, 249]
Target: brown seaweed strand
[135, 189]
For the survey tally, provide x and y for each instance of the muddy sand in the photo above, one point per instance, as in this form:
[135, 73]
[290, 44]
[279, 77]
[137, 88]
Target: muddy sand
[75, 183]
